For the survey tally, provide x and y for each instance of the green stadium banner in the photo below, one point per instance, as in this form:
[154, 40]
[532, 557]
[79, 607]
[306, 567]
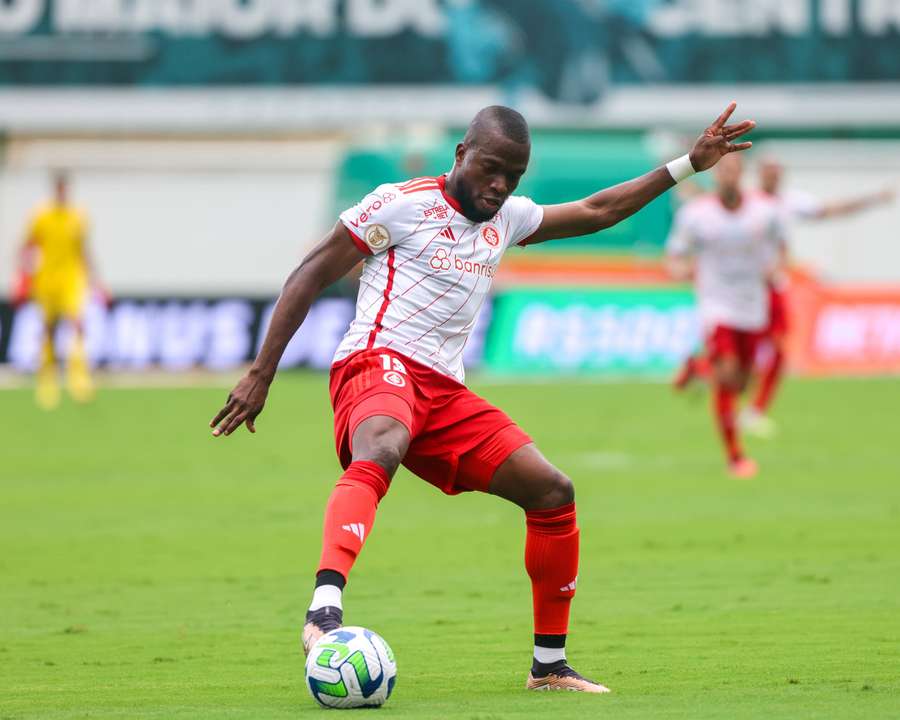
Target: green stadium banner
[607, 331]
[571, 50]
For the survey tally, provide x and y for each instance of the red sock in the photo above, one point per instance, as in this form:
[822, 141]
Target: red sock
[551, 559]
[768, 383]
[350, 514]
[724, 400]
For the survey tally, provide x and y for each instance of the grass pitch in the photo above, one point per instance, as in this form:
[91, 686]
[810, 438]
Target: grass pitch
[150, 571]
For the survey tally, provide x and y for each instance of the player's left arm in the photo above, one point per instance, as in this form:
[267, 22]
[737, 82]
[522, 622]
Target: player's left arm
[609, 207]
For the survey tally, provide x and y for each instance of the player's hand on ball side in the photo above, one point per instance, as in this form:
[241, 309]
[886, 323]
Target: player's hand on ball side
[244, 403]
[716, 140]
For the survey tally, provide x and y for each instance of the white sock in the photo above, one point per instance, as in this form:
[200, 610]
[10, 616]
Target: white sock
[326, 596]
[545, 656]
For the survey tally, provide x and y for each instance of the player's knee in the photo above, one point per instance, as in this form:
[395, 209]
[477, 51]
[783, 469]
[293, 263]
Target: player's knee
[556, 490]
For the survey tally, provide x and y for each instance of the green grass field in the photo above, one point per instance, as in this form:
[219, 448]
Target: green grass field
[149, 571]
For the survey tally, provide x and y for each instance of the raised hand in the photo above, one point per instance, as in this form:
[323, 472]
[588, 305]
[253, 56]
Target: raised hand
[244, 403]
[716, 140]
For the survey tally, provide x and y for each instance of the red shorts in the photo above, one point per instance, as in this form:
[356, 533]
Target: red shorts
[457, 439]
[730, 342]
[778, 313]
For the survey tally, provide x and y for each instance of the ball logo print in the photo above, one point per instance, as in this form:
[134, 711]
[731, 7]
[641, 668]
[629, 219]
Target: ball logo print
[491, 236]
[351, 667]
[377, 237]
[394, 378]
[440, 260]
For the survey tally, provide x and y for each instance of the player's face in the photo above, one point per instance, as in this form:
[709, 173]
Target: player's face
[770, 177]
[728, 173]
[488, 173]
[61, 189]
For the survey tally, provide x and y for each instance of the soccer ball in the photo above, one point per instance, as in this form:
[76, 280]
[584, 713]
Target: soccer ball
[351, 667]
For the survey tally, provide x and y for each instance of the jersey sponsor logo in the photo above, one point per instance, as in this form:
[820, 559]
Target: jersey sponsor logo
[377, 237]
[372, 208]
[491, 236]
[392, 377]
[437, 212]
[442, 260]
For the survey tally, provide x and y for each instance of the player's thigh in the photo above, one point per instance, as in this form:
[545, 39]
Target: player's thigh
[72, 301]
[381, 439]
[726, 354]
[362, 390]
[529, 480]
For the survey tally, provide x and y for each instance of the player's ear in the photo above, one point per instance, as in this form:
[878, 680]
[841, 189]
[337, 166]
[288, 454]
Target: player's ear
[460, 153]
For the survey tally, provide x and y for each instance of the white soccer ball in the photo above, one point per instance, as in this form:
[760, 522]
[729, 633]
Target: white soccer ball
[351, 667]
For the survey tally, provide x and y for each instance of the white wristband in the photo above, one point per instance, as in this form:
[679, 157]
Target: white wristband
[681, 168]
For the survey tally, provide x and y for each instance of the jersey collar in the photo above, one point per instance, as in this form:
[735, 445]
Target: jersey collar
[442, 184]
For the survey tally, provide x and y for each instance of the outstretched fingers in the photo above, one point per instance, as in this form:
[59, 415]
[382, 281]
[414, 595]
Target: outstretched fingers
[730, 132]
[723, 118]
[732, 147]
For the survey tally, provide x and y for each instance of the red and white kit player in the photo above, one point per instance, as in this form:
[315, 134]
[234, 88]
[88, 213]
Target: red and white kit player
[729, 242]
[795, 205]
[431, 247]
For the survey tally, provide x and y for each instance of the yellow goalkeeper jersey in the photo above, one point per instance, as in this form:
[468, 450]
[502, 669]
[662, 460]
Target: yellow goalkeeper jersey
[58, 232]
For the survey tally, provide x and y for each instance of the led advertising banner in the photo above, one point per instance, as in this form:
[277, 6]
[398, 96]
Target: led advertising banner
[570, 50]
[191, 333]
[619, 332]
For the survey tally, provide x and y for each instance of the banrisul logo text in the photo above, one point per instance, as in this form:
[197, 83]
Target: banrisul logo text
[643, 331]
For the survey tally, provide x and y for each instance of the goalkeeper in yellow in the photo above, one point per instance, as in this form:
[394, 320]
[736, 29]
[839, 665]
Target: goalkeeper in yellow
[56, 272]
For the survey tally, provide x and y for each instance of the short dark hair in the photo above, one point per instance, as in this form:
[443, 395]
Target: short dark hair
[510, 123]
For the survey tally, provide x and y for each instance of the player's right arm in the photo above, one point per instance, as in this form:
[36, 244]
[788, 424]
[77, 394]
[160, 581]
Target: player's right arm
[326, 263]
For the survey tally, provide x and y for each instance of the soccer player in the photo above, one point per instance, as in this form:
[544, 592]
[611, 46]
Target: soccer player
[55, 270]
[802, 206]
[729, 243]
[431, 246]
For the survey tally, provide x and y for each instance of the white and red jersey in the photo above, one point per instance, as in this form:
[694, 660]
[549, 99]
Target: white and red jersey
[735, 252]
[429, 269]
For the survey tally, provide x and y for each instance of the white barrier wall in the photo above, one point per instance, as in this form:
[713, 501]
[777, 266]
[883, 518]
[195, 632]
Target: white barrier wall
[176, 217]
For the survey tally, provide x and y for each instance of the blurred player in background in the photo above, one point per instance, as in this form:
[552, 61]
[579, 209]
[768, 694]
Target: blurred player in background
[431, 246]
[729, 243]
[55, 271]
[795, 205]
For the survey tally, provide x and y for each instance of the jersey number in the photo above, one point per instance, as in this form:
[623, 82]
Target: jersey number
[392, 363]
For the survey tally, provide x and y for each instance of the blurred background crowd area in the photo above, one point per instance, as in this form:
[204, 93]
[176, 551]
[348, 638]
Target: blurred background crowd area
[211, 142]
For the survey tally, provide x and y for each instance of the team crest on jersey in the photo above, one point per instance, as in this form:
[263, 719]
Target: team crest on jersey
[394, 378]
[491, 236]
[377, 237]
